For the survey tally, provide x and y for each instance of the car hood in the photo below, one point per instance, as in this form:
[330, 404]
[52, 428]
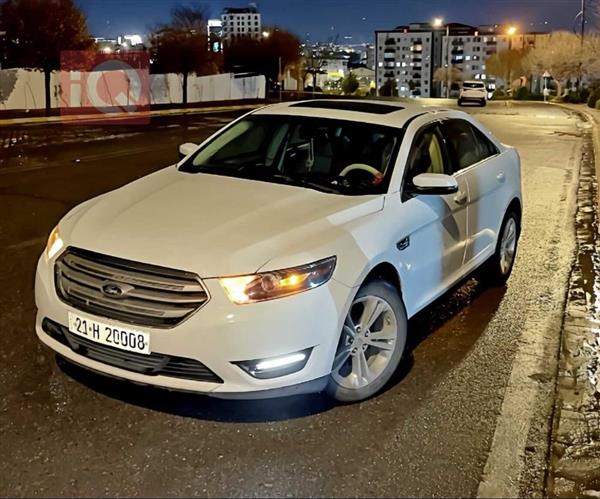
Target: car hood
[212, 225]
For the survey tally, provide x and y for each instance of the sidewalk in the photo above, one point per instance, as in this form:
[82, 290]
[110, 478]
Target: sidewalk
[574, 468]
[85, 118]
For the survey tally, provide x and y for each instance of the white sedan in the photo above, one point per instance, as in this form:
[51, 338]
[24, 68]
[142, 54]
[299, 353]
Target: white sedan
[284, 254]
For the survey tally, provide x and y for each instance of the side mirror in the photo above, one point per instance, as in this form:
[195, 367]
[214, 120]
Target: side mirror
[186, 149]
[434, 184]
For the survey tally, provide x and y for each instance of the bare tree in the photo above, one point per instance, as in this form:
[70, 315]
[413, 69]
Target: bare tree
[182, 45]
[312, 64]
[593, 57]
[565, 57]
[448, 76]
[506, 65]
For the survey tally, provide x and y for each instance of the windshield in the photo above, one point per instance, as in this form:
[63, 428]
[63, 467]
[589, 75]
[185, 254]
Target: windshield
[342, 157]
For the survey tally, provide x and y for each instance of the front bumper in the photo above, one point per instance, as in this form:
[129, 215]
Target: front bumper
[220, 334]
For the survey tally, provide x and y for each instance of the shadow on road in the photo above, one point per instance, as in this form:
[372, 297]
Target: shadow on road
[474, 301]
[199, 406]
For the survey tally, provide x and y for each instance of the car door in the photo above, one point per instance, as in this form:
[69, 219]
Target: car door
[433, 246]
[477, 159]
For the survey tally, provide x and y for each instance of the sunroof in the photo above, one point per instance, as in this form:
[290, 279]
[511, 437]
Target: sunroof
[357, 106]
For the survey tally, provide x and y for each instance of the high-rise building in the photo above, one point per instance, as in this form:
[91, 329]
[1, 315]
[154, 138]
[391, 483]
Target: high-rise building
[240, 22]
[214, 30]
[404, 56]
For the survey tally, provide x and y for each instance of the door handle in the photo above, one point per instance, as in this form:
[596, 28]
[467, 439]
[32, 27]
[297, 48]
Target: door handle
[460, 198]
[500, 177]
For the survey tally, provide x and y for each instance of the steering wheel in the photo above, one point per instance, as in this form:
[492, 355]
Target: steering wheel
[360, 166]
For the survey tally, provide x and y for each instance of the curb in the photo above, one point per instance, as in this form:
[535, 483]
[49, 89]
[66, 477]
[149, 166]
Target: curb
[574, 457]
[95, 118]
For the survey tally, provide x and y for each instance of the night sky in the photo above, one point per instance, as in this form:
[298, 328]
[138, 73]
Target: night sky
[322, 20]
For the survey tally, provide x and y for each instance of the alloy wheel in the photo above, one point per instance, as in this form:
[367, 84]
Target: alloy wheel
[367, 342]
[508, 245]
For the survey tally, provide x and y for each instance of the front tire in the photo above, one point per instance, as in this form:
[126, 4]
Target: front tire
[501, 264]
[371, 343]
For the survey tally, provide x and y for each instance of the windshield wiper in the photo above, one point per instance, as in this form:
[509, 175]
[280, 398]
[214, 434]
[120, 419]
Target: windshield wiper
[304, 182]
[250, 172]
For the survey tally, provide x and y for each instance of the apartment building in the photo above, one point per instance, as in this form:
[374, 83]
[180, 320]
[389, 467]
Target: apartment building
[240, 22]
[411, 54]
[404, 55]
[468, 52]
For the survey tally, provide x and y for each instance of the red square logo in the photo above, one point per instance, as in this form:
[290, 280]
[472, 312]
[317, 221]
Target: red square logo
[105, 88]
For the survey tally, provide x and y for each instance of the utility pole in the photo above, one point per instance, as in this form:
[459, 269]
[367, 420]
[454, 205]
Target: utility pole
[281, 81]
[448, 67]
[583, 13]
[582, 21]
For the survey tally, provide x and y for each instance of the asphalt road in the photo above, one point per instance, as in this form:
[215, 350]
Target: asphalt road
[68, 432]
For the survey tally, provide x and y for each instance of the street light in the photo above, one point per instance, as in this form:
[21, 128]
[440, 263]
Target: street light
[438, 22]
[511, 31]
[266, 34]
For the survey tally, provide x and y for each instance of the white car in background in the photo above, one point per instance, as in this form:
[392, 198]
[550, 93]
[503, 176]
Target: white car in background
[473, 91]
[283, 255]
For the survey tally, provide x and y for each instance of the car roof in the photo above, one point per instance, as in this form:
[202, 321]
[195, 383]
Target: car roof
[380, 112]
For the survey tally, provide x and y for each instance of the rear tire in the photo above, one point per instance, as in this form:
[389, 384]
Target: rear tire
[499, 267]
[460, 102]
[483, 103]
[371, 343]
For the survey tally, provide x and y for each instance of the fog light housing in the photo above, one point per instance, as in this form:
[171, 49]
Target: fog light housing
[273, 367]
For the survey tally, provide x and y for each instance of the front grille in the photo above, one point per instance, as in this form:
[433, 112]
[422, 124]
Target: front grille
[154, 296]
[152, 365]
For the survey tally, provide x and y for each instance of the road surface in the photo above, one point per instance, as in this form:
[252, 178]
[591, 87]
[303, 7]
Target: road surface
[69, 432]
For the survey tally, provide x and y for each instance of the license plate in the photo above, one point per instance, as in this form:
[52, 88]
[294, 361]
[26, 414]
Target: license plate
[110, 335]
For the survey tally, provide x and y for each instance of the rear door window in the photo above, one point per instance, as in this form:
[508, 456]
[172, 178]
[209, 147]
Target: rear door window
[467, 145]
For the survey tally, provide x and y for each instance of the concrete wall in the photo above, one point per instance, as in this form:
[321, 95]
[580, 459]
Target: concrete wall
[24, 89]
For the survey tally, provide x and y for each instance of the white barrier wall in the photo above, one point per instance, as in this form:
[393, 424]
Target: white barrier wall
[24, 89]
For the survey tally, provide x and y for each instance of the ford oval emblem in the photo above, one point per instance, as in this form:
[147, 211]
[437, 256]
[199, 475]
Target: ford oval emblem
[113, 290]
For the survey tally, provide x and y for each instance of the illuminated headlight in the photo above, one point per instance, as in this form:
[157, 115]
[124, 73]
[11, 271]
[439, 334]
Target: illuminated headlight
[271, 285]
[55, 243]
[273, 367]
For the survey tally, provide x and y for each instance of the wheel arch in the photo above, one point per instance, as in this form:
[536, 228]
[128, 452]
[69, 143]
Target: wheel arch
[387, 272]
[515, 205]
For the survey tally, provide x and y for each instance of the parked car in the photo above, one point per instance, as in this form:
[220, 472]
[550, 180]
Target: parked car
[473, 91]
[285, 253]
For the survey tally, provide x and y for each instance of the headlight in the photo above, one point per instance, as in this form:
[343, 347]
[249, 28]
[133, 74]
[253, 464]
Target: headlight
[55, 243]
[271, 285]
